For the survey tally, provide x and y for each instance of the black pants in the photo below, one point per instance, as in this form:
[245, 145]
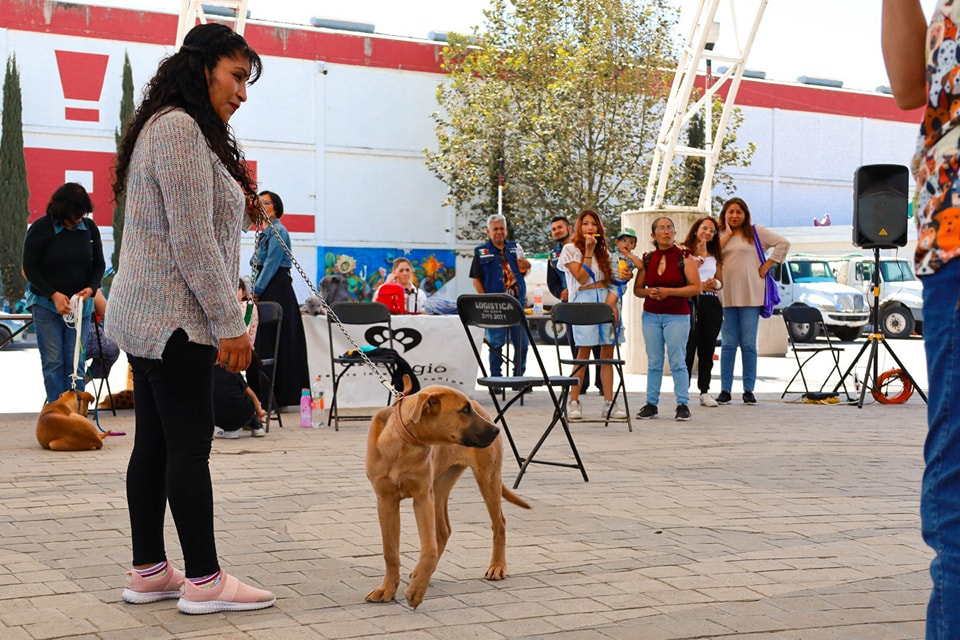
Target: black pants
[173, 405]
[704, 329]
[254, 371]
[233, 408]
[292, 374]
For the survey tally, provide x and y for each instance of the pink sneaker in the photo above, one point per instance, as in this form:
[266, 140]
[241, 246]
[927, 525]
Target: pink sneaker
[229, 595]
[165, 586]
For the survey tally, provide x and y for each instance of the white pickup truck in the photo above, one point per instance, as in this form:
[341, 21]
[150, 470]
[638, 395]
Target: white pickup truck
[809, 280]
[901, 301]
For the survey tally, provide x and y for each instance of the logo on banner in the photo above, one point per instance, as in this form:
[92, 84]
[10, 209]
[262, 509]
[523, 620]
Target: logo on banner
[405, 337]
[409, 339]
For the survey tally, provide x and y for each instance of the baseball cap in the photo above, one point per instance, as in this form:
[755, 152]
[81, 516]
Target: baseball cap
[627, 232]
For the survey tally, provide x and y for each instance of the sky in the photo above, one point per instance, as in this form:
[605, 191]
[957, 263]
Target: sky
[834, 39]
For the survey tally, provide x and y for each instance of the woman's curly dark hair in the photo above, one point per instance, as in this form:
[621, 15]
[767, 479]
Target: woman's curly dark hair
[180, 83]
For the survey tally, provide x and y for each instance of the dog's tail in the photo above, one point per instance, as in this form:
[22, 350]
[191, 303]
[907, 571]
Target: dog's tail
[513, 498]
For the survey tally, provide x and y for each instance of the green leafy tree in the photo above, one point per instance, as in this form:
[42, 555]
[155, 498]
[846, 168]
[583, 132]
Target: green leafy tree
[14, 202]
[119, 206]
[570, 93]
[687, 177]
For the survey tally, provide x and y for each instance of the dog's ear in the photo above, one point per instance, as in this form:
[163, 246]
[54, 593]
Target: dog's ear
[428, 403]
[86, 398]
[419, 399]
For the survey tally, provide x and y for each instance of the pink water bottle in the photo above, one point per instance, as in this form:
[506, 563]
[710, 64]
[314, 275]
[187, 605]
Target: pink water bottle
[306, 409]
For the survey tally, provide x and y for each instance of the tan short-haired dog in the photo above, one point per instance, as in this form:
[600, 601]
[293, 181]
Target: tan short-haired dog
[63, 426]
[418, 449]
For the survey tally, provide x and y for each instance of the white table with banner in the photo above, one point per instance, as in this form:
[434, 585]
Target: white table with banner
[435, 346]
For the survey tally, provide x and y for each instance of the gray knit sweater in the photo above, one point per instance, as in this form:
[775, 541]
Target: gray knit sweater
[180, 256]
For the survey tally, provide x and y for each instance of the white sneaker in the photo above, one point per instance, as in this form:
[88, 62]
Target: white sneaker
[259, 432]
[218, 432]
[706, 400]
[616, 414]
[573, 411]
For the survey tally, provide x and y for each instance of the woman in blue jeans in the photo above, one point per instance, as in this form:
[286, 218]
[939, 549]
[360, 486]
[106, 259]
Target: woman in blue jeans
[667, 278]
[62, 257]
[742, 293]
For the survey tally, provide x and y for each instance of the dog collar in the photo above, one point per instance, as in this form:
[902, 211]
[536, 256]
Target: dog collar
[401, 428]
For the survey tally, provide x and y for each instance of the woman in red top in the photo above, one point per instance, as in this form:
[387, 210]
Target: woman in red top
[667, 278]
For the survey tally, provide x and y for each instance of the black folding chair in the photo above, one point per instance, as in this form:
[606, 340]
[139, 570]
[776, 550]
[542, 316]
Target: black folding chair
[502, 311]
[592, 314]
[800, 314]
[357, 314]
[271, 318]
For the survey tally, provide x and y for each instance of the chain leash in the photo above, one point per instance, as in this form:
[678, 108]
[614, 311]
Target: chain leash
[331, 314]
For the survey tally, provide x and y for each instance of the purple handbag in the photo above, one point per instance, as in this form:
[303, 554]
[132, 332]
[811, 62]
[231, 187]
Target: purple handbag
[771, 293]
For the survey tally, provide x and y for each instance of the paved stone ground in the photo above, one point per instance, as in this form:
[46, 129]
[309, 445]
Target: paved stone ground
[778, 521]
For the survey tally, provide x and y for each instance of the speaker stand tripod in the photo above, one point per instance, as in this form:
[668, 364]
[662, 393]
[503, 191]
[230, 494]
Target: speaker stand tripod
[874, 340]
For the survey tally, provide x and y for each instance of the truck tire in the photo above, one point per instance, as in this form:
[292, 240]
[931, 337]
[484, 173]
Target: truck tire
[5, 334]
[847, 334]
[552, 334]
[803, 331]
[896, 321]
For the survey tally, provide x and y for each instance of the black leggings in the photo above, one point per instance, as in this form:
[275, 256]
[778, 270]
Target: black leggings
[705, 328]
[173, 405]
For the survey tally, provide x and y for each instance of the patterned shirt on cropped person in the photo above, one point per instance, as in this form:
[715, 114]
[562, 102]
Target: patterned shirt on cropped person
[923, 68]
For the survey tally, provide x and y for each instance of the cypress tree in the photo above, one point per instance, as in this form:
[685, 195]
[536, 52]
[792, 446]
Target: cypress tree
[14, 204]
[126, 114]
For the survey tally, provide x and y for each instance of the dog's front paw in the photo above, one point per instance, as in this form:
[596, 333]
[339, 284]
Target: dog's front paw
[381, 594]
[415, 593]
[496, 572]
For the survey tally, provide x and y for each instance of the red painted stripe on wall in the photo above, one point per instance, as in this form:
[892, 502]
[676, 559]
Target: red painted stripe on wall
[299, 222]
[81, 115]
[47, 169]
[839, 102]
[89, 21]
[161, 28]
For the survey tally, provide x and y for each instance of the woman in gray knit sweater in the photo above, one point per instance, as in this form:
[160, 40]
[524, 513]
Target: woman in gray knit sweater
[173, 308]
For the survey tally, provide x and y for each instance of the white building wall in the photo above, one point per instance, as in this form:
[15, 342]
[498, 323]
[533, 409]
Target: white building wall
[377, 126]
[804, 164]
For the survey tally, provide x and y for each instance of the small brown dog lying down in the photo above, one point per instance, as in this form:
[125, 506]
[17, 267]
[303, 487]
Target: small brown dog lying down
[63, 426]
[418, 449]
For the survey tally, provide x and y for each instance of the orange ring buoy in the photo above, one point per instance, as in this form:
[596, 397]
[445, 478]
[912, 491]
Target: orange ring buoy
[888, 377]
